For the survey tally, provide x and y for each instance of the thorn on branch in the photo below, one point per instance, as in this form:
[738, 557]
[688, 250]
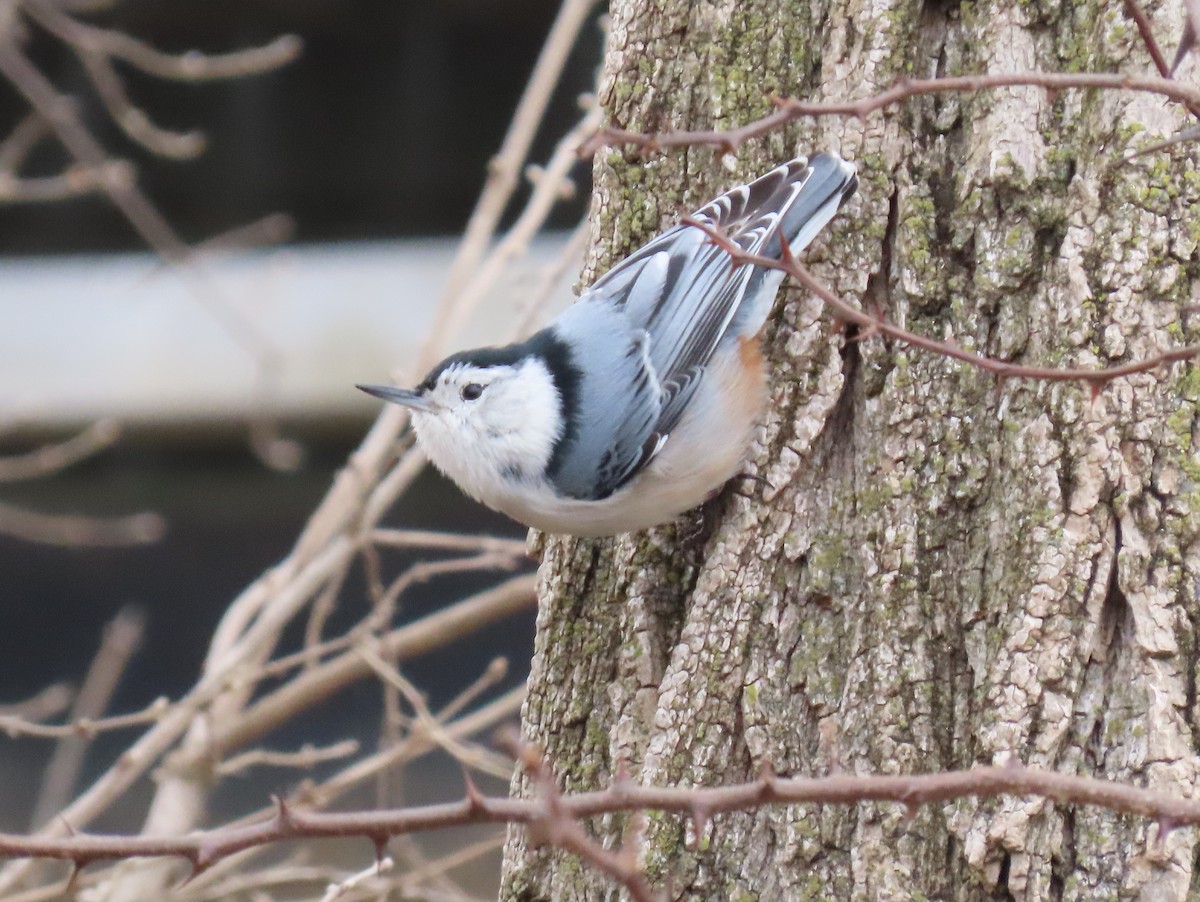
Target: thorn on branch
[785, 250]
[1147, 35]
[380, 841]
[767, 781]
[1166, 826]
[700, 818]
[200, 860]
[476, 803]
[73, 877]
[285, 822]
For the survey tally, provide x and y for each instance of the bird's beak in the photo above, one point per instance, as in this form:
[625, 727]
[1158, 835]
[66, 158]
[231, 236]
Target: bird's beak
[405, 397]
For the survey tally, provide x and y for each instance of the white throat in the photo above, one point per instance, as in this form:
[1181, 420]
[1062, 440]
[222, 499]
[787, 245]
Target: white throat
[503, 440]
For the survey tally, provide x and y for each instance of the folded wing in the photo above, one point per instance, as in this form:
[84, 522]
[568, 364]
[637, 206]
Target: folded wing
[668, 307]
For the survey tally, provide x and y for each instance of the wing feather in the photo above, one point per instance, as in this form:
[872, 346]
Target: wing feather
[679, 296]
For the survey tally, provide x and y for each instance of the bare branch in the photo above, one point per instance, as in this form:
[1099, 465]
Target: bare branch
[847, 312]
[132, 119]
[50, 459]
[64, 121]
[337, 890]
[74, 181]
[118, 644]
[506, 165]
[192, 66]
[306, 758]
[204, 849]
[21, 141]
[426, 723]
[447, 541]
[86, 727]
[359, 772]
[789, 110]
[1134, 9]
[52, 700]
[433, 631]
[76, 531]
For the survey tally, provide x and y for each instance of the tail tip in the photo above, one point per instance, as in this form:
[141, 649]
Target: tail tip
[844, 168]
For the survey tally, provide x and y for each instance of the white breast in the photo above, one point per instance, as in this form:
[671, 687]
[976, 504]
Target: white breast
[707, 448]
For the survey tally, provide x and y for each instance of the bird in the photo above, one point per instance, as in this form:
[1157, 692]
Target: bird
[641, 399]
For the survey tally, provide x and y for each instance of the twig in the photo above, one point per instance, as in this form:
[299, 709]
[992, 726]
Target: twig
[505, 167]
[64, 121]
[1095, 378]
[203, 849]
[192, 66]
[52, 700]
[306, 758]
[471, 757]
[320, 611]
[1134, 9]
[446, 541]
[558, 828]
[336, 890]
[381, 614]
[537, 296]
[789, 110]
[415, 746]
[87, 728]
[244, 886]
[1188, 134]
[423, 572]
[468, 853]
[76, 531]
[314, 685]
[359, 772]
[118, 644]
[21, 141]
[133, 120]
[50, 459]
[492, 674]
[546, 194]
[74, 181]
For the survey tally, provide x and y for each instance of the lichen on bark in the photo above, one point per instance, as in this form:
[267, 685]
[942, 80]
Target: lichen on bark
[941, 570]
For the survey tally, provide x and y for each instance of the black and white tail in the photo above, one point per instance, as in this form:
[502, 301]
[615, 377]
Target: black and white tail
[798, 199]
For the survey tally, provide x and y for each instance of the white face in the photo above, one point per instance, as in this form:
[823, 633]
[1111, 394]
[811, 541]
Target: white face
[490, 428]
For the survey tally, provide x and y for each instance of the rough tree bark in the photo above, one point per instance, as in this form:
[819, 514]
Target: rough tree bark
[943, 571]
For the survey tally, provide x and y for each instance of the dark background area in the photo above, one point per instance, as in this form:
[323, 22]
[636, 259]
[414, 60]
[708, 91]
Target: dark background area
[382, 129]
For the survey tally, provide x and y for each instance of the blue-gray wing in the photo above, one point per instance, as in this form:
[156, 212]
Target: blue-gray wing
[676, 299]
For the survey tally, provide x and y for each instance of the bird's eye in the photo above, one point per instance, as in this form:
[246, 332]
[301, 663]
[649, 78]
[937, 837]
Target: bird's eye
[471, 391]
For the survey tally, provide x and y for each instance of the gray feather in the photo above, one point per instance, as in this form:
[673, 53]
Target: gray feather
[644, 334]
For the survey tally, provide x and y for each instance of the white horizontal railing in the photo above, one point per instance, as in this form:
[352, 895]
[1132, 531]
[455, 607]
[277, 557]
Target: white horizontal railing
[123, 336]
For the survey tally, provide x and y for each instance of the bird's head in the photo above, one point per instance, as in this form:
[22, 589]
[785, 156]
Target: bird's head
[486, 418]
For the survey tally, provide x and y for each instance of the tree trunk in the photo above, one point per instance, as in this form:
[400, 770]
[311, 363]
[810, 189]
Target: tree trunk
[941, 571]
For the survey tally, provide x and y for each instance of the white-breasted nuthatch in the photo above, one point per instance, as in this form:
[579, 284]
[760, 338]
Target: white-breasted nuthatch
[641, 399]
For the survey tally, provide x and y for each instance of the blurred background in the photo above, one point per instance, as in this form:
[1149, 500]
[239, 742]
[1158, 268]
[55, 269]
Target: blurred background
[233, 390]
